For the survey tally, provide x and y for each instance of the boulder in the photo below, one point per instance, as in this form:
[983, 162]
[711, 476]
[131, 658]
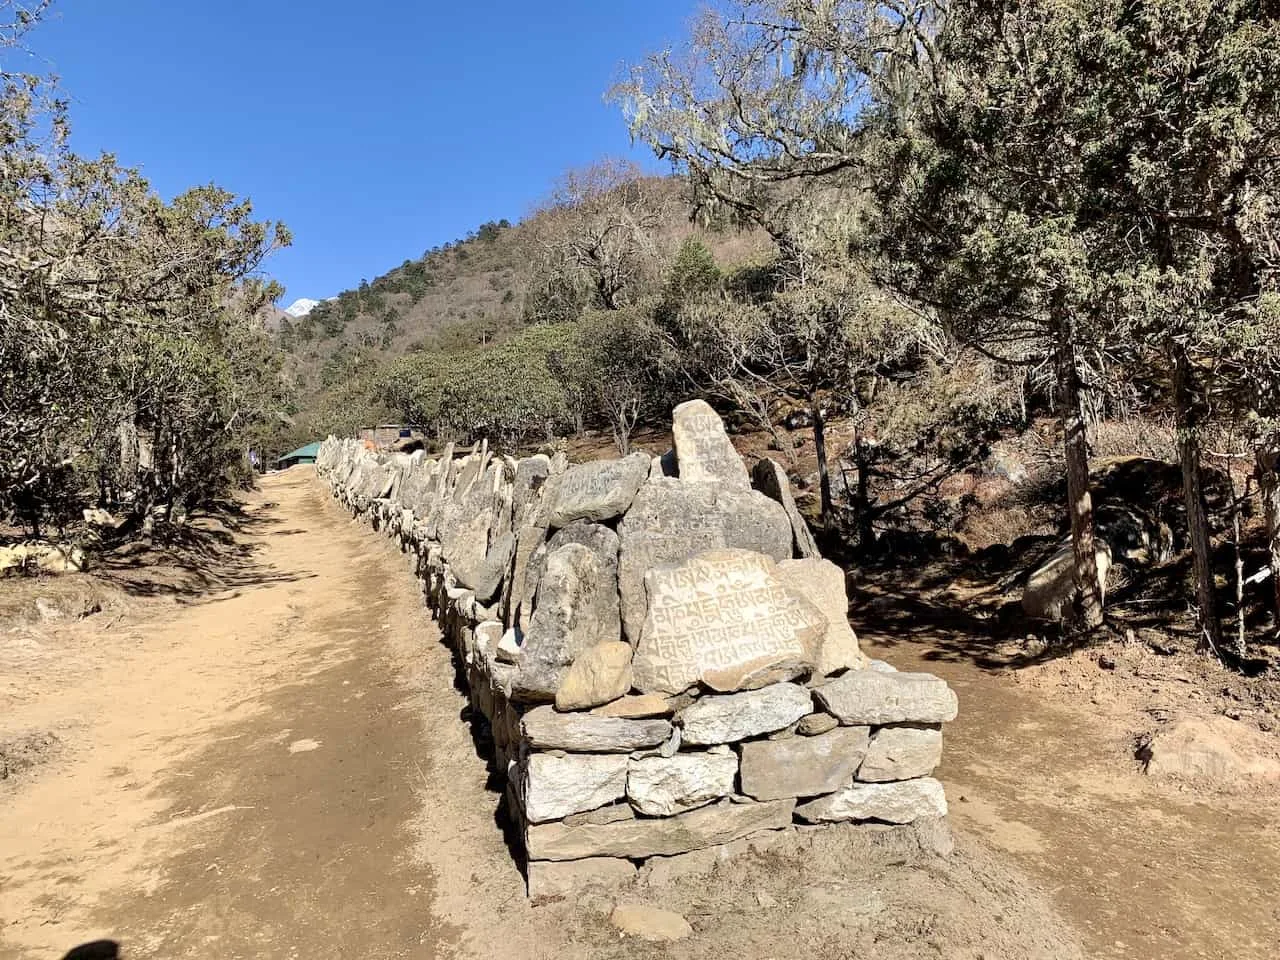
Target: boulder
[664, 786]
[547, 878]
[1051, 590]
[900, 802]
[875, 697]
[771, 480]
[802, 766]
[600, 490]
[901, 753]
[660, 836]
[545, 729]
[728, 719]
[671, 521]
[724, 620]
[576, 608]
[600, 674]
[554, 786]
[704, 451]
[636, 706]
[1217, 748]
[821, 582]
[649, 923]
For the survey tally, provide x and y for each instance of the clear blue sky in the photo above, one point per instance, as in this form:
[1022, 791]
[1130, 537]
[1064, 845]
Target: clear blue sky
[375, 130]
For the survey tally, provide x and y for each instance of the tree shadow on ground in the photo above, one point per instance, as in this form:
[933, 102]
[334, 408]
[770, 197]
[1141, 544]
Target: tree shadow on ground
[200, 560]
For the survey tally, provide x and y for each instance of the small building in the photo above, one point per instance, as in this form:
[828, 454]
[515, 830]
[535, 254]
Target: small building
[385, 435]
[305, 454]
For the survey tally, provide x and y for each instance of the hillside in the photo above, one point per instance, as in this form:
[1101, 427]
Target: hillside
[470, 293]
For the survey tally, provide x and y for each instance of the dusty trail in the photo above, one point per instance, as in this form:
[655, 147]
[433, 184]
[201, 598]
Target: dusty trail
[243, 769]
[1144, 869]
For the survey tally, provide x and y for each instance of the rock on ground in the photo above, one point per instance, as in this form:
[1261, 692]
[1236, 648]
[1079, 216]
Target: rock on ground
[1218, 748]
[661, 836]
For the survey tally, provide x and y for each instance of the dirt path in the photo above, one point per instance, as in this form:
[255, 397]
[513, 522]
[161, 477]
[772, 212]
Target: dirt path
[241, 770]
[1144, 869]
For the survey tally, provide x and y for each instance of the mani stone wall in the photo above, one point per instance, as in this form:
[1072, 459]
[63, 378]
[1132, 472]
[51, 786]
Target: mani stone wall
[662, 660]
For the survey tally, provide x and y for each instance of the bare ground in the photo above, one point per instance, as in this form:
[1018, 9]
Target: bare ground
[268, 759]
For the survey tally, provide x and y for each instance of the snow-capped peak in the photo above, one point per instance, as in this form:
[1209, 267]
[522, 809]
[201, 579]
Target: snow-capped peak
[301, 307]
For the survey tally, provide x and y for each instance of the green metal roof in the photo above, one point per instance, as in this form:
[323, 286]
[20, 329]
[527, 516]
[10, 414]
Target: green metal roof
[311, 450]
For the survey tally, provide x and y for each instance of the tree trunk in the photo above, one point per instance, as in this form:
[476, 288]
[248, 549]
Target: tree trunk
[820, 448]
[1188, 423]
[1079, 500]
[866, 528]
[1268, 466]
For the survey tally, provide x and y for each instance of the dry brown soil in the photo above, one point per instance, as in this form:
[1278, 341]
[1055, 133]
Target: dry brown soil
[270, 761]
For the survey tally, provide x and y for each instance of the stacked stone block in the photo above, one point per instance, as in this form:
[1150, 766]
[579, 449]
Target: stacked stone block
[663, 662]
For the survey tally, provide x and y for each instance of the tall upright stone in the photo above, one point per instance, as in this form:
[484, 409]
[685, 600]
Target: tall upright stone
[576, 608]
[771, 480]
[703, 448]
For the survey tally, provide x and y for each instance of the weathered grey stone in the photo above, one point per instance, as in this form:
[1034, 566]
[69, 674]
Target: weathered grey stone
[636, 706]
[703, 449]
[600, 490]
[613, 813]
[881, 665]
[724, 620]
[600, 674]
[771, 480]
[874, 697]
[901, 753]
[555, 786]
[899, 802]
[738, 716]
[816, 723]
[662, 836]
[661, 787]
[649, 923]
[671, 521]
[821, 582]
[577, 608]
[548, 878]
[803, 766]
[545, 729]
